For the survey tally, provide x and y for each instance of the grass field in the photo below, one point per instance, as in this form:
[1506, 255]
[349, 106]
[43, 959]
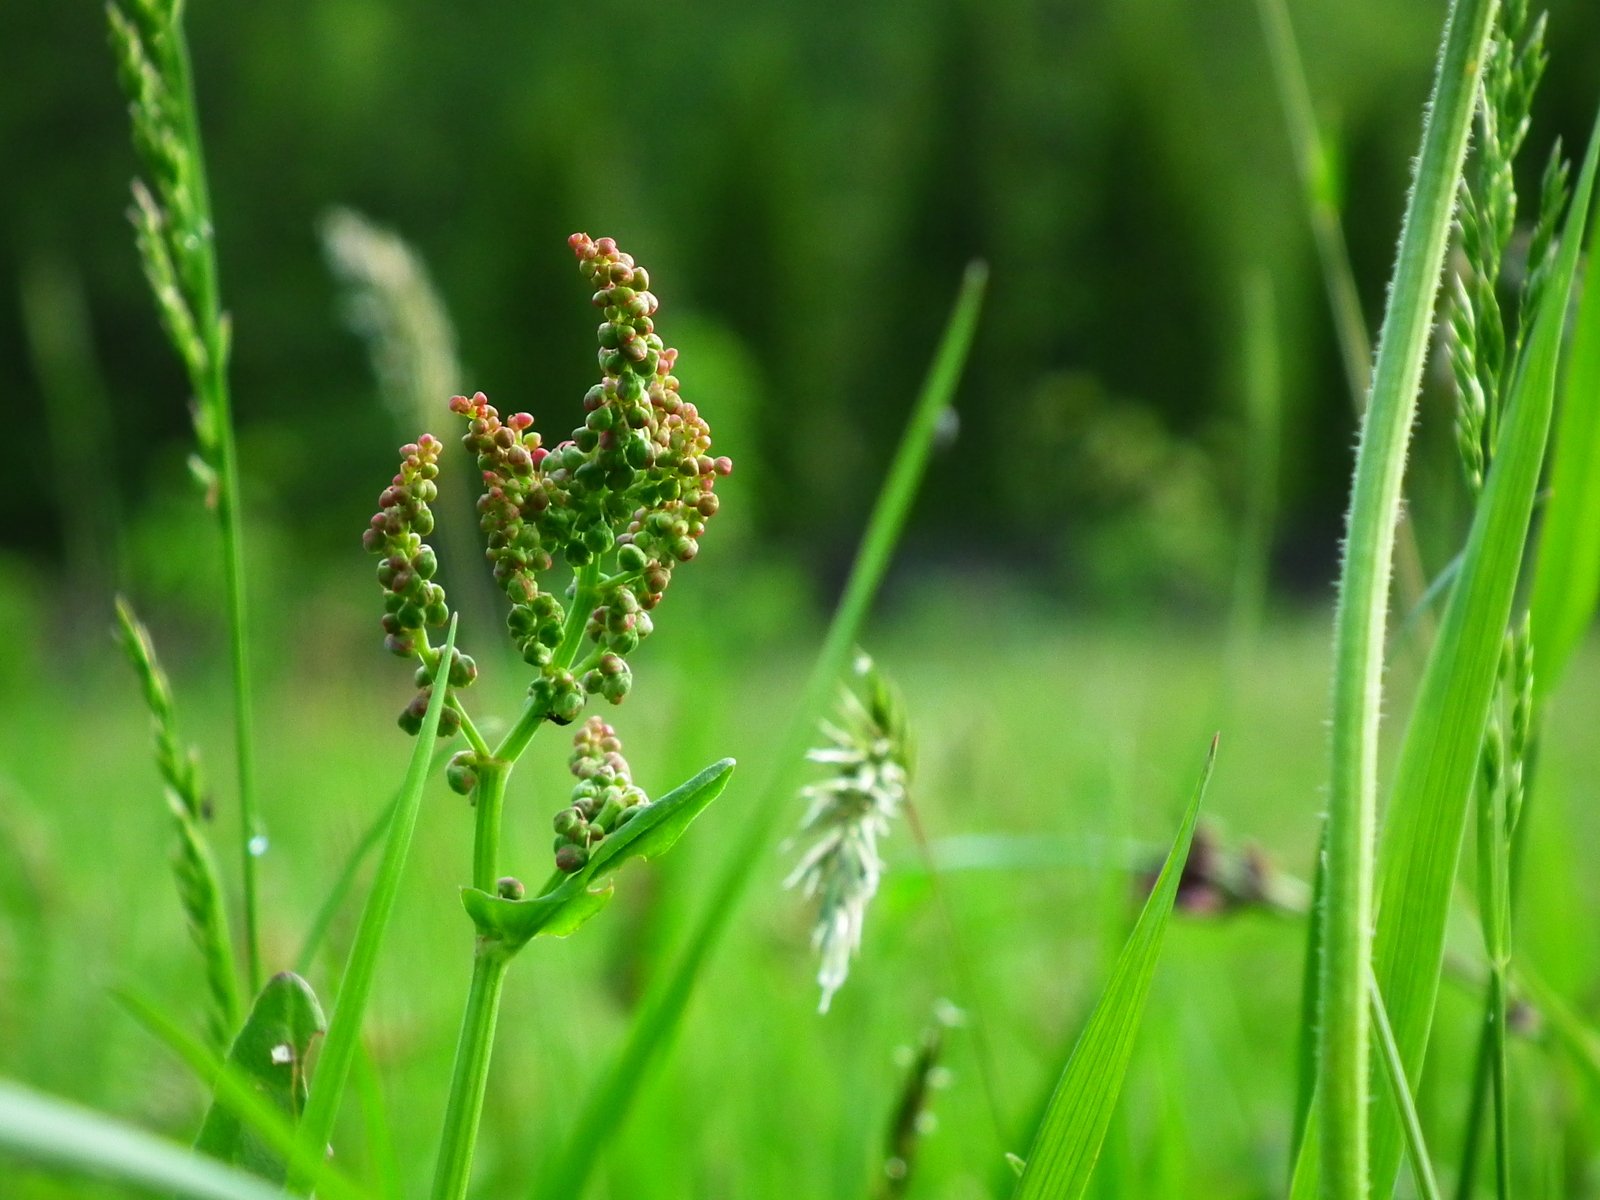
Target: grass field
[1070, 751]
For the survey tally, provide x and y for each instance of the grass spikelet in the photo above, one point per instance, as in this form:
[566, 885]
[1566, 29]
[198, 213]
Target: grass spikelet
[194, 868]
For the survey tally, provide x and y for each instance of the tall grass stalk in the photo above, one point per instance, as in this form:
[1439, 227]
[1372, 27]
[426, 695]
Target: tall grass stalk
[655, 1024]
[1344, 1028]
[176, 237]
[1319, 191]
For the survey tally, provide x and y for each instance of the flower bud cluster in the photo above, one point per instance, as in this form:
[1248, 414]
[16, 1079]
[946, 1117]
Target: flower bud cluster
[631, 491]
[604, 799]
[411, 598]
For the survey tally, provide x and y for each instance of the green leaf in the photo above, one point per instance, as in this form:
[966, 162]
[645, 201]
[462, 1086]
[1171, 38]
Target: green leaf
[1566, 577]
[75, 1141]
[344, 1032]
[1439, 756]
[585, 892]
[270, 1052]
[1070, 1134]
[1361, 621]
[249, 1098]
[656, 1022]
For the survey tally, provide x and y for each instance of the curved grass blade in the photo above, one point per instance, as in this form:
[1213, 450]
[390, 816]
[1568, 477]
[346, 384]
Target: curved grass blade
[1361, 620]
[1073, 1128]
[580, 895]
[344, 1032]
[1566, 574]
[240, 1095]
[75, 1141]
[661, 1010]
[1439, 756]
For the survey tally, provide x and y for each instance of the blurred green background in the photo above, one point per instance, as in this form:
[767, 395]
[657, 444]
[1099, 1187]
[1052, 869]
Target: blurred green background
[805, 184]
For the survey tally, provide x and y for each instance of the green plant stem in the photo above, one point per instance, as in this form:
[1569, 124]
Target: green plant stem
[1493, 910]
[1394, 1070]
[475, 1046]
[490, 801]
[471, 1074]
[211, 386]
[1467, 1174]
[1360, 624]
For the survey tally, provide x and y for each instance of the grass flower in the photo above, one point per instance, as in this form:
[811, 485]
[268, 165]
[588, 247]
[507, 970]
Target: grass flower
[868, 757]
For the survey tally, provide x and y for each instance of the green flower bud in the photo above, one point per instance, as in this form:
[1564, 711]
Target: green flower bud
[571, 858]
[509, 887]
[461, 773]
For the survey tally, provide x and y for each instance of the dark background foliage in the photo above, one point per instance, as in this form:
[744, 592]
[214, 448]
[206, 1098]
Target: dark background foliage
[805, 182]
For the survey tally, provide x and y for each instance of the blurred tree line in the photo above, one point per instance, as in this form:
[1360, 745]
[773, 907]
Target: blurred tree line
[805, 183]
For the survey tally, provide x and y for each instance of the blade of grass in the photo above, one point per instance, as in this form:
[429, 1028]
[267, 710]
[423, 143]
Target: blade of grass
[73, 1140]
[1566, 574]
[1263, 424]
[364, 846]
[661, 1010]
[235, 1090]
[1439, 755]
[1320, 192]
[1362, 615]
[1494, 913]
[344, 1031]
[1310, 971]
[1394, 1071]
[1069, 1137]
[383, 1168]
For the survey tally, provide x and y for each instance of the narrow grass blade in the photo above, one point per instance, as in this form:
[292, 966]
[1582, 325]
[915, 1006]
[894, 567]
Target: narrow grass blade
[242, 1095]
[1306, 1029]
[75, 1141]
[1394, 1071]
[1070, 1135]
[656, 1022]
[369, 841]
[344, 1033]
[1361, 620]
[1263, 430]
[1566, 576]
[1319, 189]
[580, 895]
